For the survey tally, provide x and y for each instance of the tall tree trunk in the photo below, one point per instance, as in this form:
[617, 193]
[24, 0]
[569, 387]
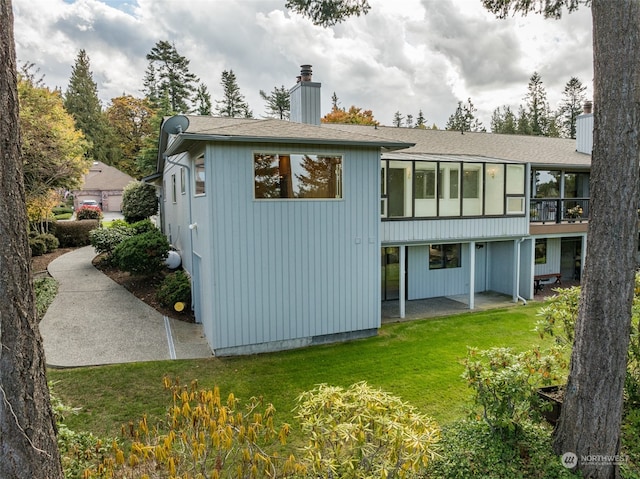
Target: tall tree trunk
[591, 414]
[28, 445]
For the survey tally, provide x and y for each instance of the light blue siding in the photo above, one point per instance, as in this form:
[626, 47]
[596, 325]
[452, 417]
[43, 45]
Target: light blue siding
[286, 273]
[447, 230]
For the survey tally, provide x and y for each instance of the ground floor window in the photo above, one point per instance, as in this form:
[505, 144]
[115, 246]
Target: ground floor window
[541, 251]
[443, 256]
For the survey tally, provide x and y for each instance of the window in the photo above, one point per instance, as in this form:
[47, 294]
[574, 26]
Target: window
[173, 188]
[443, 256]
[303, 176]
[515, 189]
[541, 251]
[425, 183]
[200, 184]
[471, 182]
[182, 182]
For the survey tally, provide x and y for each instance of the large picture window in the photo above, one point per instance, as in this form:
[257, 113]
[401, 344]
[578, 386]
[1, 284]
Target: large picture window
[304, 176]
[442, 256]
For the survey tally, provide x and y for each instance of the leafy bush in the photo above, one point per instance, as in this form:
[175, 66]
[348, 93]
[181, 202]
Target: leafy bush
[45, 290]
[38, 246]
[505, 384]
[139, 201]
[142, 254]
[204, 437]
[88, 212]
[175, 287]
[50, 241]
[471, 449]
[362, 432]
[62, 210]
[105, 240]
[142, 226]
[75, 233]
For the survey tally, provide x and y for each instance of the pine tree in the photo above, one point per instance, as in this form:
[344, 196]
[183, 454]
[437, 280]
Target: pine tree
[232, 104]
[81, 101]
[537, 106]
[397, 119]
[168, 76]
[409, 121]
[571, 106]
[278, 103]
[523, 126]
[464, 118]
[503, 121]
[420, 121]
[203, 100]
[27, 423]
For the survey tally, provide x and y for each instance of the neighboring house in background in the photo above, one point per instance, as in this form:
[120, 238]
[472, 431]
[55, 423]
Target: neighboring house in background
[295, 232]
[104, 185]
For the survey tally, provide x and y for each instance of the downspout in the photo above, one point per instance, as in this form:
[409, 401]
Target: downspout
[517, 285]
[188, 168]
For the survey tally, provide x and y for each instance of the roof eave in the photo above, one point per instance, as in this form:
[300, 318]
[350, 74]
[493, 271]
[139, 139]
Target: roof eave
[184, 141]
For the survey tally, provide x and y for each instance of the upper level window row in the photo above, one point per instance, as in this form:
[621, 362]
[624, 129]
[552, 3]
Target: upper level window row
[448, 189]
[297, 176]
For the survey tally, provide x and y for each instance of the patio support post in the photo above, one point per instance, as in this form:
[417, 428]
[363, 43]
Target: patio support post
[403, 285]
[472, 274]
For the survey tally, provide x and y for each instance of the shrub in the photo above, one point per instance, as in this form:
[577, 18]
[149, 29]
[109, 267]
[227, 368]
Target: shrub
[175, 287]
[505, 384]
[139, 201]
[142, 226]
[88, 212]
[105, 240]
[362, 432]
[204, 437]
[38, 246]
[50, 241]
[75, 233]
[142, 254]
[45, 290]
[62, 210]
[471, 449]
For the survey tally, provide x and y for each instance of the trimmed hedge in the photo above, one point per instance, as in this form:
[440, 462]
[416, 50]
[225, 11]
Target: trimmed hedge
[175, 288]
[143, 254]
[75, 233]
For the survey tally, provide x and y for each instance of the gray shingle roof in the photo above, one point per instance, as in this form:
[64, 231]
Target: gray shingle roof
[536, 150]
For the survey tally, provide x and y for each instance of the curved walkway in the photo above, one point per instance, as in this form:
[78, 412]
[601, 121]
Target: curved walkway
[94, 321]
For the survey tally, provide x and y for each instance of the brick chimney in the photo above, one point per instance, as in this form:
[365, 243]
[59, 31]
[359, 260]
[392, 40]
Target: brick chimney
[584, 129]
[305, 98]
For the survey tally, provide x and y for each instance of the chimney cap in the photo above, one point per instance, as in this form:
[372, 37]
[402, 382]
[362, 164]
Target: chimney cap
[305, 72]
[587, 107]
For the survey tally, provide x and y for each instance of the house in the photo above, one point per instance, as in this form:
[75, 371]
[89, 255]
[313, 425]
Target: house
[295, 232]
[104, 185]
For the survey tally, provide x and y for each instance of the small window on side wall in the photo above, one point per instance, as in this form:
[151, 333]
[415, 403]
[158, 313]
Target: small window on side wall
[541, 251]
[199, 176]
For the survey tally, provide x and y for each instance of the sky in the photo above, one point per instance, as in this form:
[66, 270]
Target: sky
[404, 55]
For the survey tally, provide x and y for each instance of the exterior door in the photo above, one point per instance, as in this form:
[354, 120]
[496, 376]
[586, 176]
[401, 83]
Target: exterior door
[390, 263]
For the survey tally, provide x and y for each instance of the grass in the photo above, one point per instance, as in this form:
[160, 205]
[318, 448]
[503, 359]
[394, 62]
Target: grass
[418, 361]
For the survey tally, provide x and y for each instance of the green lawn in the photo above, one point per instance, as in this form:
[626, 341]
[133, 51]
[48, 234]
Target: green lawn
[418, 361]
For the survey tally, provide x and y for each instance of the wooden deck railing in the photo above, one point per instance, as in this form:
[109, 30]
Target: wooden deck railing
[558, 210]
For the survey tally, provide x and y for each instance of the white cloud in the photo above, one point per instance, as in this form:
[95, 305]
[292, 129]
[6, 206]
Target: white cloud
[405, 55]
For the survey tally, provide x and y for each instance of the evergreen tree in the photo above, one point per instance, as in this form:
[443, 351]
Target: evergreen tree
[81, 101]
[571, 106]
[397, 119]
[335, 103]
[278, 103]
[168, 76]
[27, 422]
[327, 13]
[503, 121]
[523, 126]
[464, 118]
[232, 104]
[203, 100]
[537, 106]
[409, 121]
[420, 121]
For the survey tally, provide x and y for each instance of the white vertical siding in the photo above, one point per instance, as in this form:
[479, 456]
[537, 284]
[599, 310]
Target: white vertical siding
[552, 264]
[287, 270]
[430, 283]
[584, 133]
